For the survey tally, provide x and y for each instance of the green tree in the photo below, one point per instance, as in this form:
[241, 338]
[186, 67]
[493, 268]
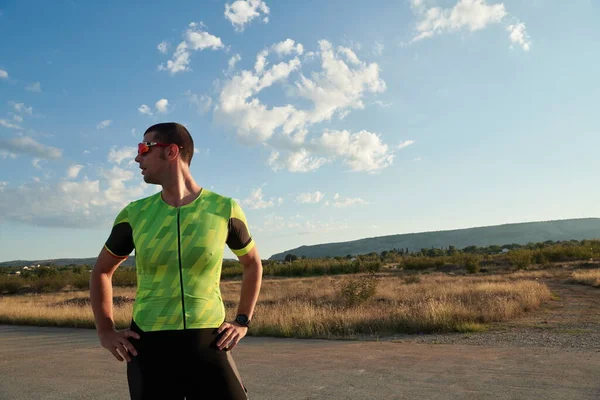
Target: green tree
[291, 257]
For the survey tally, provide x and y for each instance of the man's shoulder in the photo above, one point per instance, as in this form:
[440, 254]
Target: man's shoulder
[144, 202]
[219, 203]
[209, 195]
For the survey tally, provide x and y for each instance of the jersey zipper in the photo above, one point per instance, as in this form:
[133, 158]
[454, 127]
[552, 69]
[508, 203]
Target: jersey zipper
[180, 268]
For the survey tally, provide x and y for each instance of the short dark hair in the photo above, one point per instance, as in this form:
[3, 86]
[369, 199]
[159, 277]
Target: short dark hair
[174, 133]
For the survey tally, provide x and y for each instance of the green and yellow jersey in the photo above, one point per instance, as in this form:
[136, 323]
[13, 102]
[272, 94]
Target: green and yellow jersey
[178, 256]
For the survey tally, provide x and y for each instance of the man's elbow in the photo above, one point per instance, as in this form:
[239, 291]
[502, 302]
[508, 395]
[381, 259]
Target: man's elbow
[253, 265]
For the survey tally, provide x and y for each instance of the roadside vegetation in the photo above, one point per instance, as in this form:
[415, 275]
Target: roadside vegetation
[472, 259]
[352, 306]
[589, 277]
[433, 290]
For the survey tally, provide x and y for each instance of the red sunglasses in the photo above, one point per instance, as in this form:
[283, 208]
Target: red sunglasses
[144, 147]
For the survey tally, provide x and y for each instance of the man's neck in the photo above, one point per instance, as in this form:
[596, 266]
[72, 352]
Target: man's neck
[181, 190]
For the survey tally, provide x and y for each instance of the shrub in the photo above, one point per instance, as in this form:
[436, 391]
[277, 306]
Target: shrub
[412, 279]
[521, 258]
[472, 263]
[10, 284]
[357, 289]
[417, 263]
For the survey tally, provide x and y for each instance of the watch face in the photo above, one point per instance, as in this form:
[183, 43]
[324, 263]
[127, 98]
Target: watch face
[242, 319]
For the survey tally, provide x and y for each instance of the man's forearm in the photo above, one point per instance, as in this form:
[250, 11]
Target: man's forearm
[251, 282]
[101, 300]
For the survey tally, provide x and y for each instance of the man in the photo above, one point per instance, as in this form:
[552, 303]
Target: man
[178, 345]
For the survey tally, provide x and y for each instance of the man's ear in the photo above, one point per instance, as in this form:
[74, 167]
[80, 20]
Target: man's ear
[172, 152]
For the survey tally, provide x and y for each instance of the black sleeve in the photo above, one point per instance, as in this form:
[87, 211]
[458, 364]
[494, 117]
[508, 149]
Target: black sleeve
[238, 236]
[120, 241]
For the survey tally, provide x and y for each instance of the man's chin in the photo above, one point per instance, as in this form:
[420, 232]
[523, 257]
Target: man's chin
[148, 179]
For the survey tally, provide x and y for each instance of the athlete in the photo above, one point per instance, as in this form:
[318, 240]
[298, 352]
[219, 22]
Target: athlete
[179, 344]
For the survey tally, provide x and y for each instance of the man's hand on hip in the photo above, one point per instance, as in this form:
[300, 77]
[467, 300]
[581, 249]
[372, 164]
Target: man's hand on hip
[116, 342]
[232, 333]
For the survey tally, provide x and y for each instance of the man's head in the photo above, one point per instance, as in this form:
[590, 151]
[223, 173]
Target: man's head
[164, 143]
[173, 133]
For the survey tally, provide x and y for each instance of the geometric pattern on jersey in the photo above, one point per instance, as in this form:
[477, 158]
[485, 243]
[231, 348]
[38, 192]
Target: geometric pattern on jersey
[178, 256]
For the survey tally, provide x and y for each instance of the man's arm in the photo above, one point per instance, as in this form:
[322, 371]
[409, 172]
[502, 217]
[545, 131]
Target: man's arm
[251, 282]
[101, 295]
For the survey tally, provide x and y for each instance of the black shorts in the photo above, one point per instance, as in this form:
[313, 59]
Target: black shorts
[182, 365]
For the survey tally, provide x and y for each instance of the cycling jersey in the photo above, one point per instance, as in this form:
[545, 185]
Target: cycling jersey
[178, 257]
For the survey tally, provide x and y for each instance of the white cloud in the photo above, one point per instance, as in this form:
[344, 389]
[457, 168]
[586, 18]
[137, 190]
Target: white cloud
[73, 170]
[194, 40]
[382, 104]
[36, 163]
[163, 47]
[117, 156]
[241, 12]
[416, 159]
[273, 161]
[416, 4]
[87, 152]
[378, 48]
[362, 151]
[69, 203]
[3, 74]
[232, 61]
[298, 224]
[74, 200]
[518, 35]
[162, 105]
[310, 198]
[7, 154]
[472, 15]
[103, 124]
[334, 91]
[340, 202]
[256, 200]
[34, 87]
[3, 185]
[202, 102]
[301, 161]
[350, 55]
[18, 118]
[261, 61]
[144, 109]
[10, 125]
[27, 145]
[270, 223]
[406, 143]
[22, 108]
[288, 47]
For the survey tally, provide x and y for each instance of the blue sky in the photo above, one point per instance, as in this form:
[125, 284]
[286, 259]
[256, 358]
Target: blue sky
[327, 121]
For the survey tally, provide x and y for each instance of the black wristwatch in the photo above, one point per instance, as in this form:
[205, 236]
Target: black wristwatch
[243, 320]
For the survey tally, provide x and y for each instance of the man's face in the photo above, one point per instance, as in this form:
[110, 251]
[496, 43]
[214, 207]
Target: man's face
[151, 162]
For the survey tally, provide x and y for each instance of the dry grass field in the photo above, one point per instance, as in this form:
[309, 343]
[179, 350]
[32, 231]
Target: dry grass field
[347, 306]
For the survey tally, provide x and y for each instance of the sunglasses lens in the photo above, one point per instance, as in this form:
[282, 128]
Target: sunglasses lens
[142, 148]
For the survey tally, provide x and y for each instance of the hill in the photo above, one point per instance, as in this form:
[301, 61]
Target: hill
[519, 233]
[61, 262]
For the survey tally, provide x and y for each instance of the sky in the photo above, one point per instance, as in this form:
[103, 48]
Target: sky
[327, 121]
